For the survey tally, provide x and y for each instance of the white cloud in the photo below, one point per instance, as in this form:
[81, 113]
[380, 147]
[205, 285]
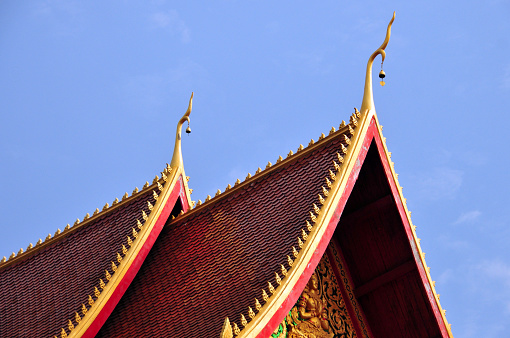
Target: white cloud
[171, 20]
[468, 217]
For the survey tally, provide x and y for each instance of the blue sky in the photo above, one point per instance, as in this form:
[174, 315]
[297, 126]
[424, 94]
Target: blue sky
[90, 93]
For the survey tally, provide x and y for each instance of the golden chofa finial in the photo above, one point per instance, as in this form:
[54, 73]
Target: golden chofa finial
[177, 157]
[368, 95]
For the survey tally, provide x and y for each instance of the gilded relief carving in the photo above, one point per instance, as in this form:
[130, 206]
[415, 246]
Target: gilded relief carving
[320, 311]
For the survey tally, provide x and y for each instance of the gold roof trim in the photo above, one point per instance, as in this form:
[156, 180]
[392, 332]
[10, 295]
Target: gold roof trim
[345, 132]
[126, 254]
[308, 237]
[77, 225]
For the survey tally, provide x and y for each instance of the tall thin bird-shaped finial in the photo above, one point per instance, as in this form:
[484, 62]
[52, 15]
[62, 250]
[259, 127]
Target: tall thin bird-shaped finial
[177, 157]
[368, 95]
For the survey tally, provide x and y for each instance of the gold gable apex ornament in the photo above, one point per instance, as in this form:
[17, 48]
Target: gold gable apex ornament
[177, 156]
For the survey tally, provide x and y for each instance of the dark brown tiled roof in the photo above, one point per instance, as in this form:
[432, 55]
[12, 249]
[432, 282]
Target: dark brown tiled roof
[214, 261]
[41, 292]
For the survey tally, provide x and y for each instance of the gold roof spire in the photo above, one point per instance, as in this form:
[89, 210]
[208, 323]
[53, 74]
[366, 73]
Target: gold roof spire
[177, 157]
[368, 96]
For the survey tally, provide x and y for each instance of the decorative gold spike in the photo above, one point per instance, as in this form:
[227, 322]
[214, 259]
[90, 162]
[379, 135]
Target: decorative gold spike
[418, 240]
[156, 179]
[238, 181]
[129, 241]
[325, 191]
[115, 201]
[304, 234]
[343, 149]
[353, 120]
[413, 227]
[208, 198]
[173, 217]
[187, 178]
[163, 176]
[316, 209]
[3, 260]
[295, 252]
[290, 153]
[119, 257]
[244, 322]
[257, 305]
[265, 297]
[135, 191]
[106, 206]
[107, 275]
[20, 251]
[134, 232]
[345, 139]
[84, 309]
[144, 215]
[91, 300]
[228, 187]
[150, 205]
[182, 212]
[321, 199]
[300, 148]
[12, 255]
[251, 313]
[77, 317]
[193, 203]
[308, 226]
[279, 159]
[48, 237]
[248, 176]
[337, 166]
[155, 195]
[271, 288]
[58, 232]
[39, 242]
[322, 136]
[190, 191]
[444, 312]
[199, 202]
[114, 267]
[350, 130]
[340, 158]
[278, 279]
[332, 175]
[428, 270]
[332, 130]
[289, 261]
[97, 293]
[95, 212]
[139, 224]
[236, 329]
[160, 187]
[312, 216]
[146, 185]
[126, 195]
[438, 296]
[283, 270]
[356, 111]
[124, 250]
[423, 253]
[311, 142]
[434, 283]
[70, 325]
[258, 171]
[63, 333]
[218, 192]
[269, 165]
[328, 183]
[102, 285]
[67, 227]
[77, 221]
[300, 243]
[342, 125]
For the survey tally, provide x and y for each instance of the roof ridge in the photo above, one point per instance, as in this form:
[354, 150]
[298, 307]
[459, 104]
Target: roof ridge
[87, 219]
[343, 129]
[303, 235]
[130, 240]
